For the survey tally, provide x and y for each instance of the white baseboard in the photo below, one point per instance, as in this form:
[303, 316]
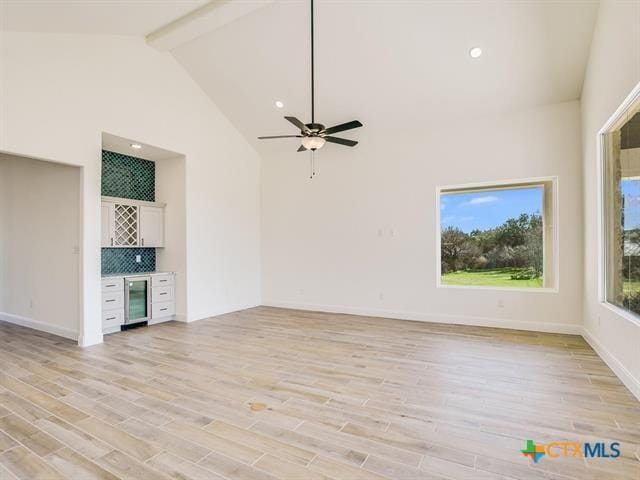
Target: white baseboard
[156, 321]
[90, 339]
[546, 327]
[41, 326]
[222, 311]
[625, 376]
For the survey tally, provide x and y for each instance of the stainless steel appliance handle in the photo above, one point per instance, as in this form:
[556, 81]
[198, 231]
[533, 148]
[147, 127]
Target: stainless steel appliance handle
[126, 300]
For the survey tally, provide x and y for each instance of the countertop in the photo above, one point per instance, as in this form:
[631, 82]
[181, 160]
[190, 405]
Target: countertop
[136, 274]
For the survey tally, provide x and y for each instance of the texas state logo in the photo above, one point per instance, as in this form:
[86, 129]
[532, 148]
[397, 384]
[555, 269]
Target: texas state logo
[536, 451]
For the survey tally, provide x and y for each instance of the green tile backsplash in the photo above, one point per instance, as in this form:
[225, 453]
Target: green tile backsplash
[124, 176]
[123, 260]
[128, 177]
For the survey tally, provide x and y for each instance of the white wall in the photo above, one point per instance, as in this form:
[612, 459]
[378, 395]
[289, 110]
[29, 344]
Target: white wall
[613, 71]
[40, 234]
[58, 92]
[170, 189]
[2, 229]
[320, 243]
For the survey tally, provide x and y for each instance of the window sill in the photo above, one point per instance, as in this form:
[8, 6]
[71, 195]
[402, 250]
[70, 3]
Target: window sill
[621, 312]
[500, 289]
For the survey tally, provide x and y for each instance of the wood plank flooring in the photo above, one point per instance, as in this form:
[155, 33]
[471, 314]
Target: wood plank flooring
[281, 394]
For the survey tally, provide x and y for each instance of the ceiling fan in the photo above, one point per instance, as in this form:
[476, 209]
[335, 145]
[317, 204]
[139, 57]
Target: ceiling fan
[315, 135]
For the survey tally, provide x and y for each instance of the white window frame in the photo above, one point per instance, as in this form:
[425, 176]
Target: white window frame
[601, 149]
[509, 185]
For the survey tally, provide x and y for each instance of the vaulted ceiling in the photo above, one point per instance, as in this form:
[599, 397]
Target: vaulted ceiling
[394, 65]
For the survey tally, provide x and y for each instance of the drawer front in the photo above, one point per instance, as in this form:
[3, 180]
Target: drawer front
[112, 300]
[163, 309]
[162, 280]
[112, 284]
[113, 318]
[163, 294]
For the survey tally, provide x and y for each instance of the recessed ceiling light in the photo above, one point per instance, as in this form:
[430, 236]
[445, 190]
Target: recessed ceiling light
[475, 52]
[137, 146]
[279, 104]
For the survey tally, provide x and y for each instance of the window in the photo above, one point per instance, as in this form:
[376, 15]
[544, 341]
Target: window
[621, 202]
[498, 235]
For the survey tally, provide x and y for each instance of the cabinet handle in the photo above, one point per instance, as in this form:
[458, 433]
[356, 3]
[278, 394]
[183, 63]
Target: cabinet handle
[163, 309]
[109, 301]
[110, 285]
[112, 241]
[163, 293]
[111, 318]
[162, 281]
[143, 242]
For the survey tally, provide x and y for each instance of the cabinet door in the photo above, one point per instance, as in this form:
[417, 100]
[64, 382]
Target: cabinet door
[107, 226]
[151, 227]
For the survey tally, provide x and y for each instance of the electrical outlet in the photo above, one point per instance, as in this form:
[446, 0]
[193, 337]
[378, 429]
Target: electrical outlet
[138, 258]
[381, 296]
[380, 232]
[302, 291]
[500, 304]
[31, 304]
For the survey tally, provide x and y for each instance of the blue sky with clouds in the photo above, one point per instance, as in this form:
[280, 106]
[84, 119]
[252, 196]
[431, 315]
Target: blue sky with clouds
[631, 193]
[489, 208]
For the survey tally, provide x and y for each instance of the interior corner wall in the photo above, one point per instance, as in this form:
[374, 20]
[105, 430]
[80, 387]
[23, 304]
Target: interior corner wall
[40, 234]
[170, 189]
[3, 228]
[613, 71]
[59, 92]
[361, 236]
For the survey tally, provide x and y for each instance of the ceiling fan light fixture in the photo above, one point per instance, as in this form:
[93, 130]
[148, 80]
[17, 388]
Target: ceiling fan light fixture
[313, 143]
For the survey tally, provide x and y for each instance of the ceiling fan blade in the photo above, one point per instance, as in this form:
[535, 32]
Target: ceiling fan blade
[301, 148]
[341, 141]
[280, 136]
[298, 123]
[342, 127]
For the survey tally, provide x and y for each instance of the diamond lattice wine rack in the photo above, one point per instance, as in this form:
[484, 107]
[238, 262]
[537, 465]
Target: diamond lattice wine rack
[126, 225]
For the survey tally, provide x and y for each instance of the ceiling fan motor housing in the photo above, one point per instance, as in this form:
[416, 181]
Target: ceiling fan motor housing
[315, 127]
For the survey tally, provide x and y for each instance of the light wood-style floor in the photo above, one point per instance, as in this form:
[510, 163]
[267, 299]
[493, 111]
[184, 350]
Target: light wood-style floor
[280, 394]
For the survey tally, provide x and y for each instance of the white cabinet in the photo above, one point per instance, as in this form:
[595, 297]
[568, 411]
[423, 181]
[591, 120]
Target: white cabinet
[163, 303]
[151, 226]
[162, 310]
[112, 304]
[107, 230]
[163, 279]
[113, 284]
[131, 223]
